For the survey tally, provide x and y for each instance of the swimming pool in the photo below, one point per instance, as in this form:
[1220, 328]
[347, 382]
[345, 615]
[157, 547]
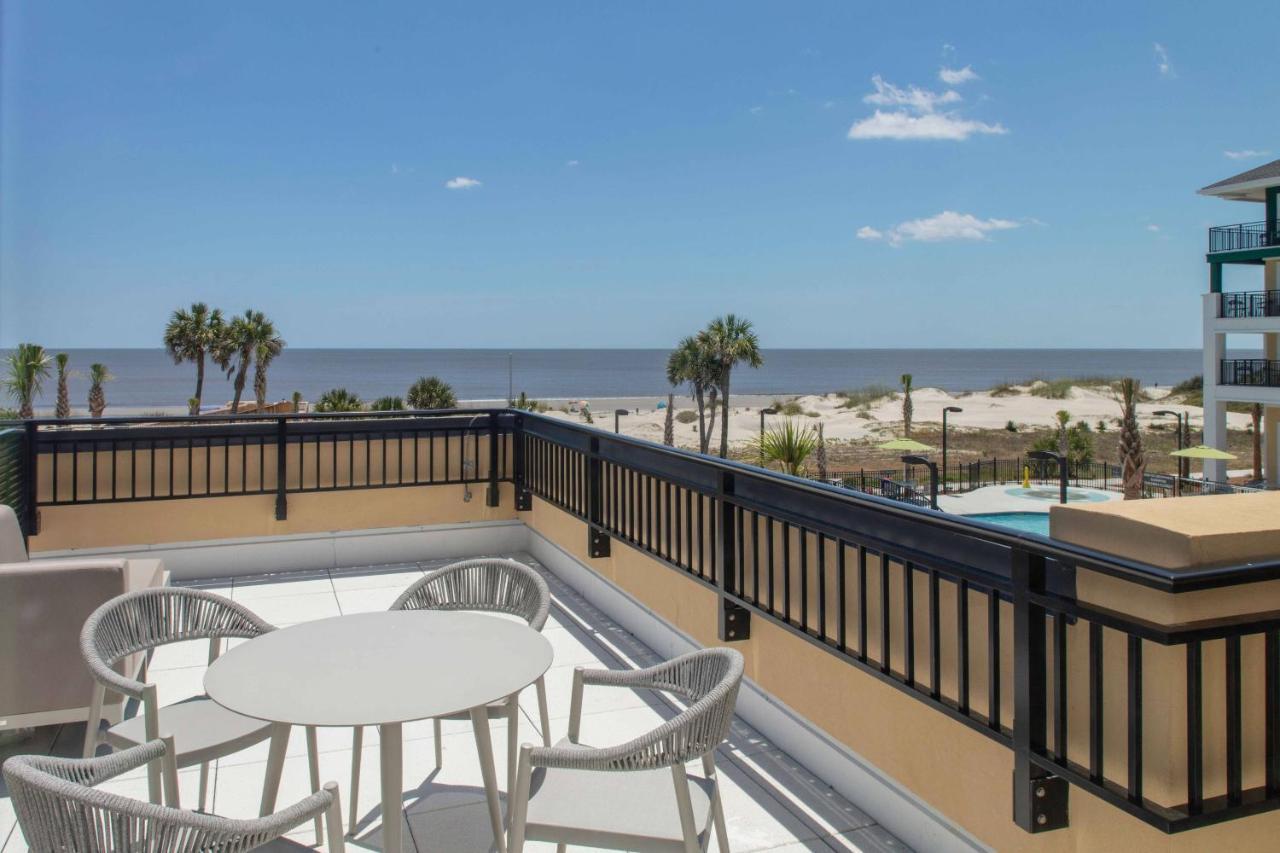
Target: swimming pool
[1027, 522]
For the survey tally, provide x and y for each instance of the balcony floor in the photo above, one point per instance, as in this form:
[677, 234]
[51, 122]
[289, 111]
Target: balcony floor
[771, 802]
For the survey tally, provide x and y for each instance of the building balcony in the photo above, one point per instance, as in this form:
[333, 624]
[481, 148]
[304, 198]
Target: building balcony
[1249, 304]
[1257, 372]
[911, 674]
[1244, 237]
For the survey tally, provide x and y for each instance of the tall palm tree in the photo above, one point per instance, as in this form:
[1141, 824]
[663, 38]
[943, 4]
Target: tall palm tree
[669, 424]
[269, 346]
[98, 375]
[28, 369]
[237, 347]
[1064, 439]
[1132, 458]
[1256, 414]
[729, 340]
[62, 409]
[689, 362]
[907, 408]
[191, 334]
[820, 453]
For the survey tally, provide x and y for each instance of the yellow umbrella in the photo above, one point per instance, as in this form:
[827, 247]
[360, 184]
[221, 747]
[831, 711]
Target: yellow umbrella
[906, 445]
[1203, 451]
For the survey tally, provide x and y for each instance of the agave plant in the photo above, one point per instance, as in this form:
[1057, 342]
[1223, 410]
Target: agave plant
[907, 408]
[789, 444]
[62, 409]
[191, 334]
[1132, 457]
[339, 400]
[98, 376]
[729, 341]
[28, 369]
[431, 392]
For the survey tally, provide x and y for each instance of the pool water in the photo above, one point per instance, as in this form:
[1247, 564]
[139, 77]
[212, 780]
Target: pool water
[1027, 522]
[1050, 494]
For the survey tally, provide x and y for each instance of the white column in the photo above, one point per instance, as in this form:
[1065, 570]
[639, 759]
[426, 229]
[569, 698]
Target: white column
[1215, 413]
[1271, 445]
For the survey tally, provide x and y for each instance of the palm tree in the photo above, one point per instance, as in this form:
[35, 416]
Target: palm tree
[820, 454]
[98, 375]
[387, 404]
[1255, 412]
[431, 392]
[1064, 419]
[28, 369]
[729, 340]
[1132, 458]
[190, 335]
[907, 408]
[297, 401]
[62, 409]
[269, 346]
[688, 362]
[237, 347]
[669, 425]
[339, 400]
[788, 443]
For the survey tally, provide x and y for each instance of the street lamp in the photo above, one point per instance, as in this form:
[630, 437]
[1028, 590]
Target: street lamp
[933, 476]
[617, 413]
[957, 410]
[1172, 414]
[763, 412]
[1049, 455]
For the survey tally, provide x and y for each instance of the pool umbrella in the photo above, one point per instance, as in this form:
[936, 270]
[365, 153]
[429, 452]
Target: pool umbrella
[905, 445]
[1200, 451]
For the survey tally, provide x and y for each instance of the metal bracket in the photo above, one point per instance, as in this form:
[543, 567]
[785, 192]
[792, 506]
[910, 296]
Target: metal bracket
[524, 500]
[735, 622]
[1048, 798]
[598, 542]
[490, 495]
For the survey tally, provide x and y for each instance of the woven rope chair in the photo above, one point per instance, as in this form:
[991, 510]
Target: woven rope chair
[490, 585]
[620, 796]
[59, 809]
[203, 730]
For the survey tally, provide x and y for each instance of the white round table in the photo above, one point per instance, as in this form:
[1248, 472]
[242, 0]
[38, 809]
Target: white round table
[382, 669]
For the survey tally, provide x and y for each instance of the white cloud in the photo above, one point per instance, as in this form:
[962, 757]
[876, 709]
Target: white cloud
[913, 97]
[1153, 228]
[755, 111]
[1163, 64]
[956, 76]
[903, 125]
[1246, 154]
[946, 226]
[948, 48]
[572, 163]
[461, 183]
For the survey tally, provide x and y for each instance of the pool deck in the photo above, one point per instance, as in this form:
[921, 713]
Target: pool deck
[997, 499]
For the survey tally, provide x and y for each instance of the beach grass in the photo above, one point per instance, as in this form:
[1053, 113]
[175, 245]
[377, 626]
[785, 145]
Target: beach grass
[857, 398]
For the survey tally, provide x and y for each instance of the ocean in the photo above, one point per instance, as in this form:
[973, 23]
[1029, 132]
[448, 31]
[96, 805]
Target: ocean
[148, 379]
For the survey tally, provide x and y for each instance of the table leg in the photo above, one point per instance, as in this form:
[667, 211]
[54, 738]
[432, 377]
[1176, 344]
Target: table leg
[484, 745]
[391, 757]
[275, 766]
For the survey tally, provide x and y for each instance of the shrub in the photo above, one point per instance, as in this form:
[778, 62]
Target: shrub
[1010, 426]
[1005, 389]
[686, 416]
[790, 408]
[1060, 389]
[431, 392]
[1191, 391]
[339, 400]
[387, 404]
[865, 396]
[1102, 426]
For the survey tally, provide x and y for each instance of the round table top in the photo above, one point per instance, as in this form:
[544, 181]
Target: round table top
[378, 668]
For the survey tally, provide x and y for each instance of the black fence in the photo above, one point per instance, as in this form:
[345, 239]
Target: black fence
[1249, 371]
[12, 471]
[1243, 237]
[1256, 303]
[899, 592]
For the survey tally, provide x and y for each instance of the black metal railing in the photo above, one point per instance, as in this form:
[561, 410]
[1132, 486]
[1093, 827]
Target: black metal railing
[1242, 237]
[12, 470]
[918, 599]
[1253, 303]
[1249, 371]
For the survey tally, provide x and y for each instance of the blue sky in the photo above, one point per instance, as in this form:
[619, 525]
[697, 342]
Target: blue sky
[638, 168]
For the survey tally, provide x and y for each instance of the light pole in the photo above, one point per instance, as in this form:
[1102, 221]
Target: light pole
[1172, 414]
[933, 476]
[617, 413]
[763, 412]
[510, 384]
[957, 410]
[1047, 455]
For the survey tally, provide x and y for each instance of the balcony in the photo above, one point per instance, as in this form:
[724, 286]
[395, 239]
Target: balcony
[931, 670]
[1258, 372]
[1249, 304]
[1246, 236]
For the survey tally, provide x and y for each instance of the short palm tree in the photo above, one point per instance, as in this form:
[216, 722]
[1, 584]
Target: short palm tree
[431, 392]
[269, 346]
[98, 376]
[907, 408]
[1132, 457]
[28, 369]
[730, 341]
[789, 444]
[339, 400]
[191, 334]
[62, 409]
[387, 404]
[238, 346]
[690, 362]
[1063, 418]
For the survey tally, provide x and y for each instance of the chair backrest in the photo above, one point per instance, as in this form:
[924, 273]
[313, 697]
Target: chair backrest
[142, 620]
[13, 548]
[495, 585]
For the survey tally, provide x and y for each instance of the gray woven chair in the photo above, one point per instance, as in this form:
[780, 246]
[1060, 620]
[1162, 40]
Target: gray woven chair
[491, 585]
[59, 809]
[203, 730]
[623, 796]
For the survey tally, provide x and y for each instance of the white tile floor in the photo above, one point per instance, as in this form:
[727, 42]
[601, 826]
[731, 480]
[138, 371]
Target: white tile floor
[771, 802]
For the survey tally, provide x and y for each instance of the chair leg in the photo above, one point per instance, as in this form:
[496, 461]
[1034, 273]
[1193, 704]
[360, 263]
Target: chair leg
[717, 805]
[313, 764]
[518, 803]
[544, 716]
[357, 745]
[94, 720]
[688, 827]
[333, 821]
[513, 739]
[204, 786]
[439, 746]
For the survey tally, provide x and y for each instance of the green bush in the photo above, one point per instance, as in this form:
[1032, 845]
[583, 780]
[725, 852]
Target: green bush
[1005, 389]
[1010, 426]
[686, 416]
[431, 392]
[857, 397]
[387, 404]
[338, 400]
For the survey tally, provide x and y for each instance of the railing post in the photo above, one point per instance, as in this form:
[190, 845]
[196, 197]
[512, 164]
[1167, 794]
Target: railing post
[30, 481]
[282, 501]
[597, 536]
[734, 622]
[1039, 798]
[491, 495]
[519, 474]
